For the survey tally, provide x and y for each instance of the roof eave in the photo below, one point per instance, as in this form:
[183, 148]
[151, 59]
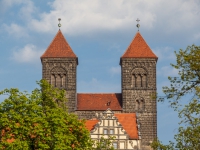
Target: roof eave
[60, 57]
[97, 109]
[120, 63]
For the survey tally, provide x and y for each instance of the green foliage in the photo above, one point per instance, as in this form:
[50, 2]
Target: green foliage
[104, 143]
[40, 121]
[188, 137]
[186, 84]
[157, 145]
[188, 67]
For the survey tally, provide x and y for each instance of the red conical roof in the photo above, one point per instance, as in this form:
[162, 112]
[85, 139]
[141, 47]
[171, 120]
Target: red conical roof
[59, 48]
[138, 49]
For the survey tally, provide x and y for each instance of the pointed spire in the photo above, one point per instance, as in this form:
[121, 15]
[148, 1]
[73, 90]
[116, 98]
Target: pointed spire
[59, 48]
[138, 49]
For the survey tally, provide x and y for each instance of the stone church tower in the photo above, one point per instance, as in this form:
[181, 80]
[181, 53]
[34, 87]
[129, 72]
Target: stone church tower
[59, 67]
[138, 85]
[138, 89]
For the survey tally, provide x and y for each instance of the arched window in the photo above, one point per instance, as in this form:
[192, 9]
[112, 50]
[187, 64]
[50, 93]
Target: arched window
[139, 104]
[58, 80]
[139, 81]
[63, 80]
[142, 104]
[139, 78]
[144, 80]
[53, 80]
[133, 81]
[58, 77]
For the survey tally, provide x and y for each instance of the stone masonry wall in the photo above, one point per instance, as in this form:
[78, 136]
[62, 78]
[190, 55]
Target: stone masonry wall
[83, 114]
[69, 66]
[140, 99]
[135, 99]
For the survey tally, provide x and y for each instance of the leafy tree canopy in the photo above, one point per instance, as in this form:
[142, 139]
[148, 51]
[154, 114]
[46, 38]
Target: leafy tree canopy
[187, 84]
[35, 121]
[104, 143]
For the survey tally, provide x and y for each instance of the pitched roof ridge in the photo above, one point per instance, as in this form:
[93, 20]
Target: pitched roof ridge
[125, 113]
[133, 131]
[136, 52]
[99, 93]
[130, 43]
[51, 42]
[99, 101]
[48, 50]
[90, 124]
[147, 44]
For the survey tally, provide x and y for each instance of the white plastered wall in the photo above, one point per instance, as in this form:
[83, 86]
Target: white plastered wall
[108, 125]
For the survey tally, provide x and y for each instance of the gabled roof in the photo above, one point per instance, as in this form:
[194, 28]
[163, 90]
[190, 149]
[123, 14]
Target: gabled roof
[101, 101]
[138, 49]
[90, 124]
[127, 120]
[59, 48]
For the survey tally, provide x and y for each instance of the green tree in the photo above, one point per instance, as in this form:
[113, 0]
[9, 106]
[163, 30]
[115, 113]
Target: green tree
[104, 143]
[40, 121]
[186, 85]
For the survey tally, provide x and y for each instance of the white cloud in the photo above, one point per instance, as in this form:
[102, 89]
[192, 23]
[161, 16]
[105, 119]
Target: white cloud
[179, 16]
[26, 7]
[115, 70]
[80, 17]
[27, 10]
[90, 17]
[5, 4]
[15, 30]
[97, 86]
[28, 54]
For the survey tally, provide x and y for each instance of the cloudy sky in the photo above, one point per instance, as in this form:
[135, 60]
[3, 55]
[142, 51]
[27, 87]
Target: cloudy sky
[99, 31]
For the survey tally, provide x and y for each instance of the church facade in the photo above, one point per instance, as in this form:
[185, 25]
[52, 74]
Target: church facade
[137, 97]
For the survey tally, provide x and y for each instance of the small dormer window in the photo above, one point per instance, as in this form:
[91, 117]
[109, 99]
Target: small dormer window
[108, 103]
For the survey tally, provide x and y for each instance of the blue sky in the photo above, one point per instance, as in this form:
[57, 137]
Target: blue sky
[98, 32]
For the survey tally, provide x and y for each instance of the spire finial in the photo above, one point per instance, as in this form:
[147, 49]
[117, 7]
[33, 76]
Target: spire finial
[59, 25]
[138, 25]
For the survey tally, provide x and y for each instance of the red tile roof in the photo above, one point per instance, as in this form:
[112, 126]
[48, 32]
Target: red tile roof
[99, 101]
[138, 49]
[59, 48]
[90, 124]
[128, 121]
